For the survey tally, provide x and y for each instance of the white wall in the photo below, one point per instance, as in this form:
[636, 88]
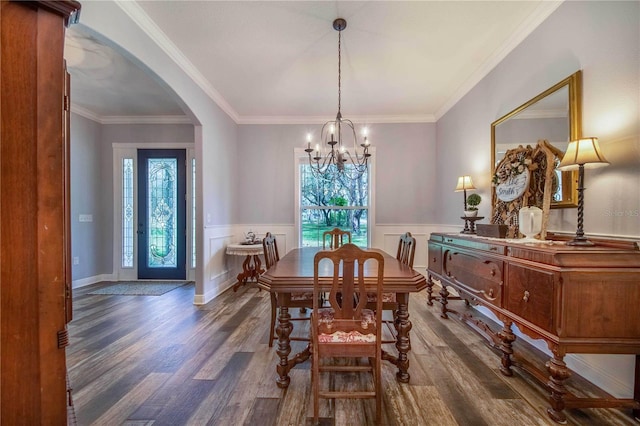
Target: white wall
[86, 199]
[214, 132]
[602, 39]
[405, 172]
[92, 187]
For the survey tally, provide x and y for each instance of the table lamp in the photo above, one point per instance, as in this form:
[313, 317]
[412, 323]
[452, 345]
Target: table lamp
[580, 153]
[464, 183]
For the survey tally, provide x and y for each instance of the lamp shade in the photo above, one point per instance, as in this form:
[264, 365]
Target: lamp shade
[585, 151]
[464, 182]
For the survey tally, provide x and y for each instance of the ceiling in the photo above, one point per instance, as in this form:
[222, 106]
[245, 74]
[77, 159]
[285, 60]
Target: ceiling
[277, 61]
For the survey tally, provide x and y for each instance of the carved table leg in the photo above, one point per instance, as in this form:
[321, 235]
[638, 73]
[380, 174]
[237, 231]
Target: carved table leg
[251, 268]
[559, 374]
[506, 346]
[284, 330]
[430, 297]
[403, 344]
[444, 294]
[256, 268]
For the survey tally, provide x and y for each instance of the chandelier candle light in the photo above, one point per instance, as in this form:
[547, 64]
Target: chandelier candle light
[336, 159]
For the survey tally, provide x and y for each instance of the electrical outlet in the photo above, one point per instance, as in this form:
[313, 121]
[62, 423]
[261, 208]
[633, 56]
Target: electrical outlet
[85, 218]
[76, 260]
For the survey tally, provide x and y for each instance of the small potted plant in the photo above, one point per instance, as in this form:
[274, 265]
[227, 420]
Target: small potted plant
[472, 205]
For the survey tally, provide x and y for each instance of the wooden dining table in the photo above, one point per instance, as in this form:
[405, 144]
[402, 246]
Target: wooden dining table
[294, 273]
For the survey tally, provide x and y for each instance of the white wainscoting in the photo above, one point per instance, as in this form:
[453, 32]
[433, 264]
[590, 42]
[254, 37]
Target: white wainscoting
[220, 270]
[217, 270]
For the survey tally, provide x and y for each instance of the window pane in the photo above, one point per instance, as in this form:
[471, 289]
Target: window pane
[127, 212]
[315, 221]
[339, 192]
[326, 204]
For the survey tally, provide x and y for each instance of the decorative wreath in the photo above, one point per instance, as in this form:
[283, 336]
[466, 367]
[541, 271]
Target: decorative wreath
[538, 191]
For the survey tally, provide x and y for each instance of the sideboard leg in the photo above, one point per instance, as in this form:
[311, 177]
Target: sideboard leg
[430, 290]
[444, 294]
[506, 346]
[559, 373]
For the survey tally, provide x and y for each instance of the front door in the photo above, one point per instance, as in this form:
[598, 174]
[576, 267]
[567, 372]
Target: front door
[161, 214]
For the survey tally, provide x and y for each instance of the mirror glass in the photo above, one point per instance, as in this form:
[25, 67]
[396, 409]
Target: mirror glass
[553, 115]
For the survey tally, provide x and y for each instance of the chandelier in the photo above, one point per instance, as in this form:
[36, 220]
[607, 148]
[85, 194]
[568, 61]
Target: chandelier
[334, 159]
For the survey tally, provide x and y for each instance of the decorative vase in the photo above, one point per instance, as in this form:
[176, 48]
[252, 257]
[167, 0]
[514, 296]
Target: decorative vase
[471, 213]
[530, 221]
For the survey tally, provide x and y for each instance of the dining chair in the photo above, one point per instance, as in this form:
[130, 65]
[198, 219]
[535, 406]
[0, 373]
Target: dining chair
[346, 329]
[298, 299]
[405, 254]
[336, 238]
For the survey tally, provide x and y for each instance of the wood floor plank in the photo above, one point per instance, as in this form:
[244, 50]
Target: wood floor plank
[213, 404]
[129, 402]
[150, 360]
[263, 412]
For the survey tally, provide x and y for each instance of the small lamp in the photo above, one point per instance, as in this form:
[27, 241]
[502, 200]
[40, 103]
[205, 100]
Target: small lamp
[464, 183]
[581, 153]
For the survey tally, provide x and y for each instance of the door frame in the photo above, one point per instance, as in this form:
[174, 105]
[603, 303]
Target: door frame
[130, 150]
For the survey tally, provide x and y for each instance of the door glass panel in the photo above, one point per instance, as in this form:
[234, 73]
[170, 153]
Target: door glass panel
[127, 212]
[193, 213]
[162, 212]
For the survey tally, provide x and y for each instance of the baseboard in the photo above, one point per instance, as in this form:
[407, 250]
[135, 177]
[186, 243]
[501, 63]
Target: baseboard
[82, 282]
[203, 299]
[597, 375]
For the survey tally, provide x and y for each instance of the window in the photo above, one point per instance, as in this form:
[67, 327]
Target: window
[326, 204]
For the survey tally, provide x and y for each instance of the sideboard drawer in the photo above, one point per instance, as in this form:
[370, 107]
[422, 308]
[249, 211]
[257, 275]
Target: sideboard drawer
[530, 295]
[478, 275]
[434, 263]
[476, 245]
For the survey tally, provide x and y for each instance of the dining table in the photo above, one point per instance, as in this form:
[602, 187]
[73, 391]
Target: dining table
[293, 273]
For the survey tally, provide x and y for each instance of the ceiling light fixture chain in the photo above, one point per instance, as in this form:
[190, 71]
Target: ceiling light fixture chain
[335, 160]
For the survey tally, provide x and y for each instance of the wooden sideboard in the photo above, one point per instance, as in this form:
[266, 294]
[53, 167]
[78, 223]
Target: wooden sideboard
[577, 299]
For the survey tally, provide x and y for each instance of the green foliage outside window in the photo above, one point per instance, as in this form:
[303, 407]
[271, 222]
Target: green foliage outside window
[321, 201]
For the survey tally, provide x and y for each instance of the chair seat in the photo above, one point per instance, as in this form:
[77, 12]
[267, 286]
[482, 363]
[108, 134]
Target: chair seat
[386, 297]
[346, 337]
[326, 316]
[302, 295]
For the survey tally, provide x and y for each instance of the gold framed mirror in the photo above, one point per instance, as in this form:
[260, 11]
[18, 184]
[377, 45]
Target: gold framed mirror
[554, 115]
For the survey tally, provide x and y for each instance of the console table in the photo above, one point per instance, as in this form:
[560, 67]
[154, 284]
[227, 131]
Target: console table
[577, 299]
[252, 265]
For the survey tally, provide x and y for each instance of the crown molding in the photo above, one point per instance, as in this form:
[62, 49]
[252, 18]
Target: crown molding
[129, 119]
[140, 17]
[377, 119]
[542, 12]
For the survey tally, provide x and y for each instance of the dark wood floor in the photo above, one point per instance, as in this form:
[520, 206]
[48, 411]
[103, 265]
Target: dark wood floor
[142, 360]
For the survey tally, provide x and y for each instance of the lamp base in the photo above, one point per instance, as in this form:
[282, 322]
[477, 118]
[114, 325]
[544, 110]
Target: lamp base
[580, 241]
